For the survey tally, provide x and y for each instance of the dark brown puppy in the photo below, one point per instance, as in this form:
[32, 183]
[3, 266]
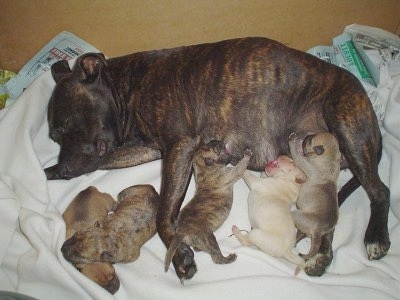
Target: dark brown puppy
[211, 204]
[86, 208]
[317, 211]
[249, 93]
[121, 234]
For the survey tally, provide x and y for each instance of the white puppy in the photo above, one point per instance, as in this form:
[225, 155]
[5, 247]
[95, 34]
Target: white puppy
[269, 202]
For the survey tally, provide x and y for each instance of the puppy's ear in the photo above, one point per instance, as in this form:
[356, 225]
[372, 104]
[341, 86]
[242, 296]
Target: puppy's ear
[106, 256]
[91, 65]
[60, 69]
[319, 150]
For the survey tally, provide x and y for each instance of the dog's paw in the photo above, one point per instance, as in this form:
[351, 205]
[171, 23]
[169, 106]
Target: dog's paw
[377, 249]
[185, 266]
[317, 265]
[377, 242]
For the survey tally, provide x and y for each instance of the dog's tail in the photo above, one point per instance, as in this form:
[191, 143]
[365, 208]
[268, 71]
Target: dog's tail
[347, 189]
[176, 241]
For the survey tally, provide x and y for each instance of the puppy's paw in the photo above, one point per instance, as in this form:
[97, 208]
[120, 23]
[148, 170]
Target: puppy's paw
[248, 152]
[229, 259]
[183, 260]
[317, 265]
[292, 136]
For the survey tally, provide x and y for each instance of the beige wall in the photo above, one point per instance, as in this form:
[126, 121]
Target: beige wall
[118, 27]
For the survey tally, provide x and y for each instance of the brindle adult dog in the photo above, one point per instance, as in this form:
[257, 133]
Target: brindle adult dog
[249, 93]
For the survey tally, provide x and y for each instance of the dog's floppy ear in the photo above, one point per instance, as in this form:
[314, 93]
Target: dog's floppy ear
[91, 65]
[319, 149]
[60, 69]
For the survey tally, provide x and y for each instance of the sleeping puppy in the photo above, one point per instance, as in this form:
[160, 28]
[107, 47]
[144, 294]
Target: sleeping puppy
[269, 203]
[121, 234]
[319, 158]
[85, 209]
[211, 203]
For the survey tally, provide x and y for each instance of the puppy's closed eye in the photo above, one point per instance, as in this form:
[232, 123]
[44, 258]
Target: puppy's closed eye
[209, 161]
[106, 256]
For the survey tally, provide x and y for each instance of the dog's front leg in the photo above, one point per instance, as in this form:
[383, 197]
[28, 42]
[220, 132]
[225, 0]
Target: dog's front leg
[176, 172]
[129, 156]
[122, 157]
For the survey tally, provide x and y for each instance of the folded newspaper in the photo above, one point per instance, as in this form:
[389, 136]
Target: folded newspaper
[343, 54]
[64, 46]
[371, 54]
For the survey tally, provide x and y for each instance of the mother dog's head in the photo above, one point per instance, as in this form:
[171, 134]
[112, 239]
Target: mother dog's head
[83, 115]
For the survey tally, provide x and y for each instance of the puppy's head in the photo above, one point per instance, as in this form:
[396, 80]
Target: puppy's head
[283, 167]
[93, 244]
[321, 144]
[214, 153]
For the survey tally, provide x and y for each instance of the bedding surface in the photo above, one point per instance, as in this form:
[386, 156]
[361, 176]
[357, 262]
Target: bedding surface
[32, 230]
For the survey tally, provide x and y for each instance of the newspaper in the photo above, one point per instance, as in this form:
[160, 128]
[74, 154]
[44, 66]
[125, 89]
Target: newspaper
[372, 55]
[64, 46]
[343, 54]
[376, 47]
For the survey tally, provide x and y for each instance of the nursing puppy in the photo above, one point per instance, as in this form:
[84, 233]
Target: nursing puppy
[121, 234]
[269, 203]
[86, 208]
[318, 156]
[211, 203]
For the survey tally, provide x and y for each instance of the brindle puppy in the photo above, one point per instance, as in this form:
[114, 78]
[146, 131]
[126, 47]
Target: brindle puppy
[85, 209]
[318, 156]
[211, 203]
[121, 234]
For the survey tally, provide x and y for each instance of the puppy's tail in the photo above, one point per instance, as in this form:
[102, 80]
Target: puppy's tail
[176, 241]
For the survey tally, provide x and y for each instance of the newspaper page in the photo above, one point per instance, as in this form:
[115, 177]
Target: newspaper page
[348, 58]
[376, 47]
[64, 46]
[343, 54]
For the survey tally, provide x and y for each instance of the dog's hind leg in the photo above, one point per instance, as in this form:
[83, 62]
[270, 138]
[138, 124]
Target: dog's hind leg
[360, 142]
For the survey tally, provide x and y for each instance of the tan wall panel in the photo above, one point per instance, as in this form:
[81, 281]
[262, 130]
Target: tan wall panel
[121, 27]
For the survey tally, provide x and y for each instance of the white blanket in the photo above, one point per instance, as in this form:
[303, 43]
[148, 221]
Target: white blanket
[32, 229]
